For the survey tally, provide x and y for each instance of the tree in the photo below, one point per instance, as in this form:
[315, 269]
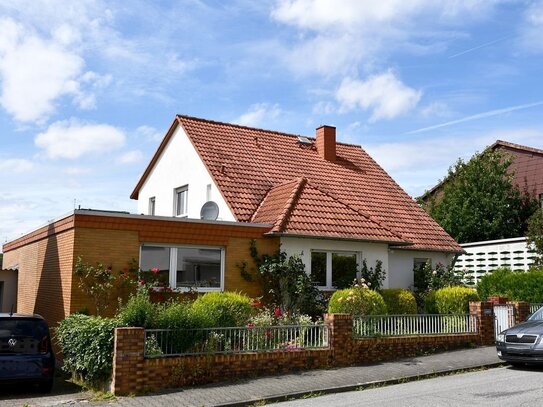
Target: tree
[534, 236]
[479, 200]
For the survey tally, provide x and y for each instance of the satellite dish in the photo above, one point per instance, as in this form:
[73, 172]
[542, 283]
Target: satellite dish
[209, 211]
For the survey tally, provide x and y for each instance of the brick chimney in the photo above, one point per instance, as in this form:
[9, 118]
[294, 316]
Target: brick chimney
[326, 142]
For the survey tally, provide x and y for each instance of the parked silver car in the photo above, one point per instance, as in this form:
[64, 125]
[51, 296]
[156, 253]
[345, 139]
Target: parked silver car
[523, 343]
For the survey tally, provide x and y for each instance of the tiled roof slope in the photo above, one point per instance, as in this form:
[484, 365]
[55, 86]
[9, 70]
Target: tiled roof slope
[246, 163]
[297, 208]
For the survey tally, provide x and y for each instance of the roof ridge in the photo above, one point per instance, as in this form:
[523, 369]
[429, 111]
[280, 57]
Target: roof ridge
[241, 126]
[367, 216]
[517, 146]
[291, 203]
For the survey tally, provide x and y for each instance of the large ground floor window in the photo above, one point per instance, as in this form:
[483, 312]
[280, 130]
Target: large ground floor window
[331, 270]
[200, 267]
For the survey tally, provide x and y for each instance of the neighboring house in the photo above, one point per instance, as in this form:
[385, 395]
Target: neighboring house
[483, 257]
[527, 164]
[328, 202]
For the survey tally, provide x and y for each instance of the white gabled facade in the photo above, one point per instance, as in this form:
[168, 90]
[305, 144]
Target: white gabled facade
[180, 165]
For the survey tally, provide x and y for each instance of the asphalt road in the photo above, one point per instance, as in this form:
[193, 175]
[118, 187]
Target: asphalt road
[502, 386]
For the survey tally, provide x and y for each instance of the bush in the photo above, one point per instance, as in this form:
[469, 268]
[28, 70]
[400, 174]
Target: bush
[139, 311]
[223, 309]
[357, 301]
[87, 346]
[516, 286]
[430, 303]
[454, 300]
[399, 301]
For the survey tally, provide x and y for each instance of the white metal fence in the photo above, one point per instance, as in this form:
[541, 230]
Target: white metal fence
[170, 342]
[535, 307]
[420, 324]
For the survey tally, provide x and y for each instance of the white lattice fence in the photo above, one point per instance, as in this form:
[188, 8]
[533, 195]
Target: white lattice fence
[484, 257]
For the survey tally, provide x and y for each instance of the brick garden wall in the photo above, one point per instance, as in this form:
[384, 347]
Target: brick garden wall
[133, 373]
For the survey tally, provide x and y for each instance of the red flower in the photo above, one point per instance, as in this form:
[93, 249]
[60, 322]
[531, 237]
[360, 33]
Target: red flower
[155, 270]
[142, 282]
[277, 312]
[250, 325]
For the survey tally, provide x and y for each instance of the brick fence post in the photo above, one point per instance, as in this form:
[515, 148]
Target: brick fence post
[522, 310]
[485, 320]
[128, 356]
[341, 338]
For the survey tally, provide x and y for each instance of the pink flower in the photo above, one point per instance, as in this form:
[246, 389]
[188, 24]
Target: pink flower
[277, 312]
[142, 282]
[155, 270]
[250, 325]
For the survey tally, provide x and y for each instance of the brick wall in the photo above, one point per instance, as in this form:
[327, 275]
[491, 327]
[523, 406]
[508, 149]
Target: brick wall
[45, 274]
[132, 373]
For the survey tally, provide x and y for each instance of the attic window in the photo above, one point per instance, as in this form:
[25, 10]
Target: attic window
[304, 140]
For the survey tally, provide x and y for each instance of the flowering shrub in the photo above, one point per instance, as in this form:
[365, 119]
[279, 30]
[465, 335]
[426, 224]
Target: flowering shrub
[357, 301]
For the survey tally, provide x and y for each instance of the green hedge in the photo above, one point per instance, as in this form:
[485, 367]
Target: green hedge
[87, 346]
[223, 309]
[399, 301]
[450, 300]
[516, 286]
[357, 301]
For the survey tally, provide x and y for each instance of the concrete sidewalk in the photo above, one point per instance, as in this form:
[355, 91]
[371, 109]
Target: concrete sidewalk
[277, 388]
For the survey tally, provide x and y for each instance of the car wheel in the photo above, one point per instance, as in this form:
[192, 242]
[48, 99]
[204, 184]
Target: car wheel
[45, 387]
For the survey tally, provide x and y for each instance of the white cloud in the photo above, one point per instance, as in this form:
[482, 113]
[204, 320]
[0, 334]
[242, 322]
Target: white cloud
[531, 31]
[259, 114]
[16, 165]
[72, 139]
[337, 36]
[385, 95]
[34, 72]
[131, 157]
[435, 109]
[149, 133]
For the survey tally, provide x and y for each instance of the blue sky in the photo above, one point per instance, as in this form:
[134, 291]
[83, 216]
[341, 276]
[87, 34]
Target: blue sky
[88, 88]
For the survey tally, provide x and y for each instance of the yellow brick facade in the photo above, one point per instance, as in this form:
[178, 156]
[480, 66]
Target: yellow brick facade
[46, 257]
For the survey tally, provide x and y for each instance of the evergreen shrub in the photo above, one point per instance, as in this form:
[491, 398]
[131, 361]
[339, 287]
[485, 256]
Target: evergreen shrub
[399, 301]
[357, 301]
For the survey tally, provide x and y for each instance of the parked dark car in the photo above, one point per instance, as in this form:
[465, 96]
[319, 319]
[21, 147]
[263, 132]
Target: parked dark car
[523, 343]
[26, 355]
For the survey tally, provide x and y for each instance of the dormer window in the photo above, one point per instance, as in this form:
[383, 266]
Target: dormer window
[180, 201]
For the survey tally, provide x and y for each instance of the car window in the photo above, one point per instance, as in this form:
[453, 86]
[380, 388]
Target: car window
[23, 335]
[537, 316]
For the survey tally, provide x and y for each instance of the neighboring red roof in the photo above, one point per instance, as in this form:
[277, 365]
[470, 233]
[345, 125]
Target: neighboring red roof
[527, 165]
[252, 166]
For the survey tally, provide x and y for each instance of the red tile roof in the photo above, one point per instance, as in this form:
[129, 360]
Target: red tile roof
[261, 174]
[297, 208]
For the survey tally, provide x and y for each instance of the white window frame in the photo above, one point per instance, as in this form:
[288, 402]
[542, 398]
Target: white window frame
[173, 265]
[184, 189]
[152, 205]
[329, 286]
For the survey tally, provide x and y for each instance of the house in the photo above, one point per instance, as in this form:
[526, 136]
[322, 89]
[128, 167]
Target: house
[326, 201]
[212, 189]
[526, 163]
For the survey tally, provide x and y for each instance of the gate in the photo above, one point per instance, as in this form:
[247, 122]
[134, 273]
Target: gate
[504, 317]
